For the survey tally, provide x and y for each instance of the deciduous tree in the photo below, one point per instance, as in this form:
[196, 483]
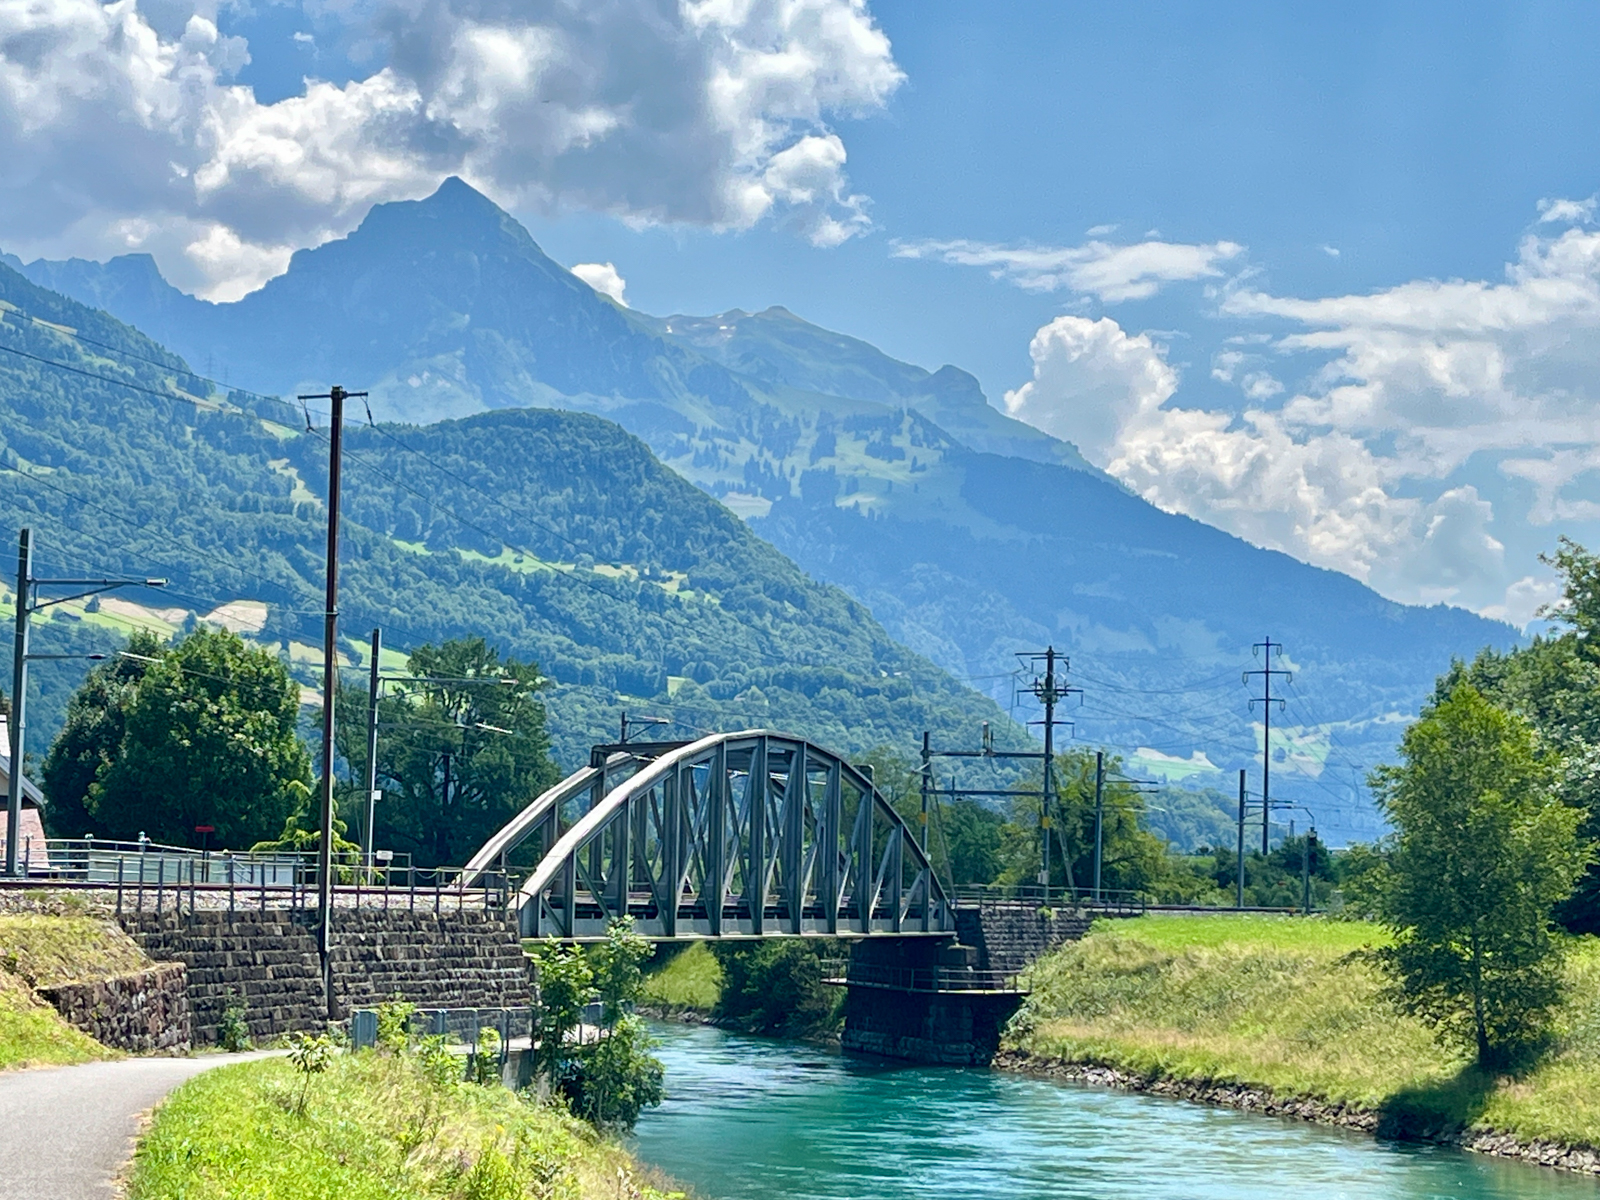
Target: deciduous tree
[1483, 852]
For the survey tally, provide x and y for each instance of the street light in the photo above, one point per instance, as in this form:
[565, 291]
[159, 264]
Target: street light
[28, 603]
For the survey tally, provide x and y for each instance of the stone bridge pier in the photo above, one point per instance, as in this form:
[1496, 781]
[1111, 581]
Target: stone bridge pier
[948, 1000]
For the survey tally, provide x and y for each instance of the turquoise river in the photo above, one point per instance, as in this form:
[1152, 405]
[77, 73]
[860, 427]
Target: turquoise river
[752, 1119]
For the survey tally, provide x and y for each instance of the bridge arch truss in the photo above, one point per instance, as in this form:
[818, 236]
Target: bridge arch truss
[736, 835]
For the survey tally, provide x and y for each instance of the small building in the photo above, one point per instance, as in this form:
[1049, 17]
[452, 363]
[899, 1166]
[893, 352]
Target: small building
[31, 847]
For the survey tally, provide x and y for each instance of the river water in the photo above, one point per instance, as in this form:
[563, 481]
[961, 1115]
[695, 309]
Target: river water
[754, 1119]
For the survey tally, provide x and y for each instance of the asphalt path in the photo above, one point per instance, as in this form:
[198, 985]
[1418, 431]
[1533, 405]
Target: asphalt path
[65, 1132]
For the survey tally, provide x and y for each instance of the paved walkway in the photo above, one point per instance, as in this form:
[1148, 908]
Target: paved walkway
[66, 1131]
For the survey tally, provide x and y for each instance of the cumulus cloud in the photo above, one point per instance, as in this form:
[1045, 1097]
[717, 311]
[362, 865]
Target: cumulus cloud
[1431, 424]
[603, 278]
[1110, 272]
[1323, 496]
[118, 136]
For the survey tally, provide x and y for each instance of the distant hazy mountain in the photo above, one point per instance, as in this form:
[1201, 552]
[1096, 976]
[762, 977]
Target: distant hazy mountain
[970, 535]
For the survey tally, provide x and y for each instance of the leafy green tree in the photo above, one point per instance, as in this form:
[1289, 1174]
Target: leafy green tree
[302, 833]
[566, 987]
[1554, 683]
[91, 737]
[619, 968]
[1483, 852]
[207, 737]
[610, 1078]
[619, 1077]
[456, 759]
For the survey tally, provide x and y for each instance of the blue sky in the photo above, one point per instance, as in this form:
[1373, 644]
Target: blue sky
[1143, 222]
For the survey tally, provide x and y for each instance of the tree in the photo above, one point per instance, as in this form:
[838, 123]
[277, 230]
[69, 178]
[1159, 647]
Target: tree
[457, 759]
[91, 737]
[209, 738]
[610, 1078]
[1554, 683]
[1483, 851]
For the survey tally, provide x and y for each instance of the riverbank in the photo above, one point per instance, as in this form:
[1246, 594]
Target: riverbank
[1284, 1016]
[373, 1127]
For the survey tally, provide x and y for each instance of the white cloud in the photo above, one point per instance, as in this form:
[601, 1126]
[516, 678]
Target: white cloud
[1090, 381]
[1443, 431]
[1571, 212]
[603, 278]
[1110, 272]
[1524, 599]
[1323, 497]
[705, 112]
[1330, 251]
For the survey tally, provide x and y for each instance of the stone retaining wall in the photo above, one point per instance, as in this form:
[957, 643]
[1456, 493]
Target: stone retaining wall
[269, 961]
[1008, 935]
[147, 1010]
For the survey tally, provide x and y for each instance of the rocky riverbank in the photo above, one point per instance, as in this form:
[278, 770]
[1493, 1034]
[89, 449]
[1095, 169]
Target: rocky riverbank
[1252, 1098]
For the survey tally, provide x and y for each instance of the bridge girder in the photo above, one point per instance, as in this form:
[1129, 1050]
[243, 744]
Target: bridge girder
[738, 835]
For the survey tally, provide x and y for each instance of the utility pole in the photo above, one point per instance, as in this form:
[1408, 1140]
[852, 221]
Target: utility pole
[19, 696]
[374, 684]
[28, 603]
[336, 396]
[1239, 899]
[1049, 692]
[1099, 814]
[927, 780]
[1266, 700]
[1305, 869]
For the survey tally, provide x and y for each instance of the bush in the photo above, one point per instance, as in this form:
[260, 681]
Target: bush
[615, 1078]
[775, 987]
[233, 1031]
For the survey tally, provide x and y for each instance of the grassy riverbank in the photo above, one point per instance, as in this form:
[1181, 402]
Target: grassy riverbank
[375, 1127]
[686, 981]
[1288, 1004]
[40, 949]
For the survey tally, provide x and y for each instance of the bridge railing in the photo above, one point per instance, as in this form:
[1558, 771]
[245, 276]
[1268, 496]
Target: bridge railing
[1106, 900]
[845, 973]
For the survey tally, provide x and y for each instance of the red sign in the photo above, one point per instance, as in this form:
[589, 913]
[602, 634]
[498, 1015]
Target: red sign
[205, 828]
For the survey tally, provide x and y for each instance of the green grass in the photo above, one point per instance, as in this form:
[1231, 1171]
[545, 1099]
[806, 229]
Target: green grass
[41, 949]
[688, 981]
[47, 950]
[374, 1128]
[32, 1034]
[1286, 1003]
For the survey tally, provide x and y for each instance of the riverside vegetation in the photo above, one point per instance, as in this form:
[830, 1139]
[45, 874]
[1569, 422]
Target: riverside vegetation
[393, 1123]
[1299, 1007]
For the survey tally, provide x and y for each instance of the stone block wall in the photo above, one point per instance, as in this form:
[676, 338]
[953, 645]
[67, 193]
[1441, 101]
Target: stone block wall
[1008, 936]
[455, 960]
[948, 1028]
[146, 1010]
[269, 960]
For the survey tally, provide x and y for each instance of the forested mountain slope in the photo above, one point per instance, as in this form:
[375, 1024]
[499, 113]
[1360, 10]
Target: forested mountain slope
[556, 535]
[969, 535]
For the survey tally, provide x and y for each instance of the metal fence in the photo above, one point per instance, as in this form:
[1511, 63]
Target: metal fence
[843, 972]
[1035, 895]
[141, 887]
[102, 860]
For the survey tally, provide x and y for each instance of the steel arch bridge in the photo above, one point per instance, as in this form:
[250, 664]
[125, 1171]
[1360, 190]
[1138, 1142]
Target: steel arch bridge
[736, 835]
